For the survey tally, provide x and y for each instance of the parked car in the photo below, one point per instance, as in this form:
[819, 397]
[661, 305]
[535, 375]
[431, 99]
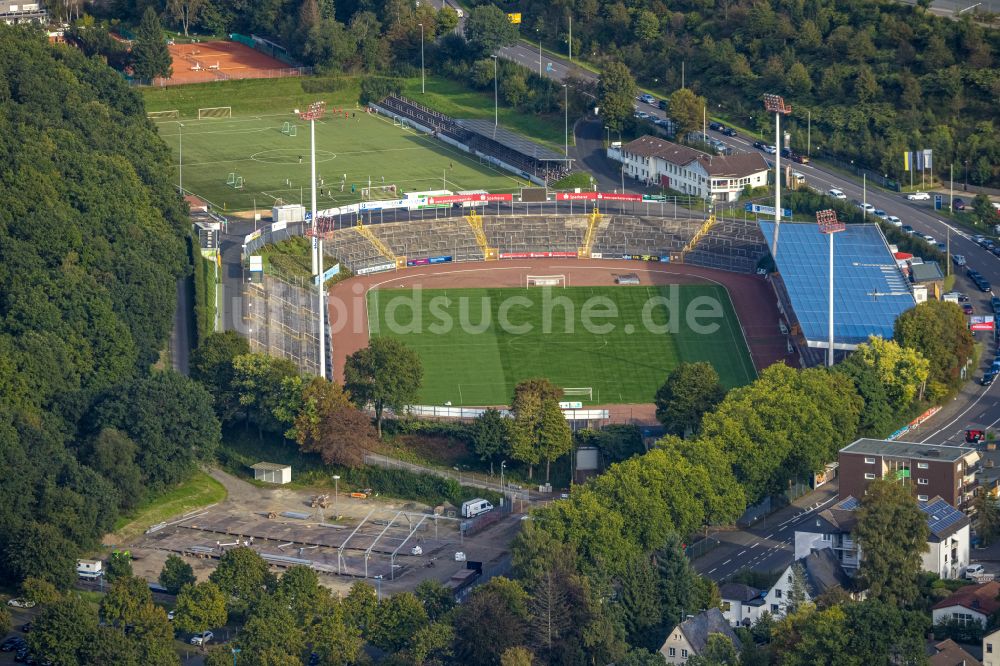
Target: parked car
[974, 570]
[968, 309]
[958, 204]
[971, 273]
[648, 99]
[662, 104]
[12, 643]
[908, 229]
[988, 378]
[715, 127]
[837, 194]
[867, 207]
[880, 214]
[974, 436]
[918, 196]
[21, 603]
[728, 131]
[759, 145]
[770, 150]
[930, 239]
[801, 159]
[202, 638]
[995, 304]
[958, 259]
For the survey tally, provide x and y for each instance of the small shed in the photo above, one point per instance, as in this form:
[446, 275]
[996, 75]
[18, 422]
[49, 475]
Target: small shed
[272, 473]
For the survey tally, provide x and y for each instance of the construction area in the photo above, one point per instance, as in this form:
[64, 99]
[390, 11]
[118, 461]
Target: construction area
[344, 538]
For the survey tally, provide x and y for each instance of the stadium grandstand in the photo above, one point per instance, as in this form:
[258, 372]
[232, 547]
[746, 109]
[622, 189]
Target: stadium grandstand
[870, 291]
[490, 142]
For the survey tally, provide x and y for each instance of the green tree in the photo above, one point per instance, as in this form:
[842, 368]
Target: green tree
[63, 630]
[5, 620]
[691, 390]
[495, 615]
[813, 638]
[386, 373]
[884, 634]
[798, 592]
[336, 641]
[891, 533]
[984, 210]
[722, 496]
[360, 606]
[431, 644]
[42, 592]
[687, 111]
[244, 578]
[677, 586]
[122, 603]
[436, 599]
[640, 604]
[175, 574]
[200, 607]
[889, 379]
[38, 550]
[616, 94]
[150, 56]
[328, 424]
[535, 432]
[271, 634]
[113, 456]
[260, 384]
[986, 516]
[866, 87]
[487, 29]
[300, 590]
[490, 436]
[938, 330]
[447, 20]
[719, 651]
[212, 366]
[119, 566]
[517, 656]
[396, 621]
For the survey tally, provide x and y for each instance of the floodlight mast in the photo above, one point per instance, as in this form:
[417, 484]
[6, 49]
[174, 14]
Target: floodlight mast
[312, 114]
[829, 225]
[776, 105]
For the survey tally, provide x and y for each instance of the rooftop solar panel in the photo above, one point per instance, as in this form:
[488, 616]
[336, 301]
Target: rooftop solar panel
[940, 515]
[850, 504]
[869, 289]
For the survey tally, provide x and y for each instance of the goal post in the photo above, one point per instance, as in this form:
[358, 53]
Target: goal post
[215, 112]
[544, 281]
[580, 392]
[164, 115]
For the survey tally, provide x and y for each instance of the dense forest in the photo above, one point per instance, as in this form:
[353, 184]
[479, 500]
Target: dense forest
[90, 250]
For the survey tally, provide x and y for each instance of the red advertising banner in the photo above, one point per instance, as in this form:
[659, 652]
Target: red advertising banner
[538, 255]
[596, 196]
[981, 326]
[468, 198]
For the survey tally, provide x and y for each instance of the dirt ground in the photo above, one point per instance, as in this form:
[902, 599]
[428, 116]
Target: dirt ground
[211, 61]
[373, 525]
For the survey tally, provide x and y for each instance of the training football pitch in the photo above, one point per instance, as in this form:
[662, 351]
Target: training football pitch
[621, 342]
[259, 160]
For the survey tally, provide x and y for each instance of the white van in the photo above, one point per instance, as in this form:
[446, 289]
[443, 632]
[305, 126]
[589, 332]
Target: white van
[475, 507]
[797, 180]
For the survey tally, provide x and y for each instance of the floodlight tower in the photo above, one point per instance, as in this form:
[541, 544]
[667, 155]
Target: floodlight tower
[828, 224]
[312, 114]
[776, 105]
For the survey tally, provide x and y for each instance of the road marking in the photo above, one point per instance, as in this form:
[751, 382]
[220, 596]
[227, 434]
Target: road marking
[740, 554]
[727, 561]
[756, 543]
[769, 535]
[711, 572]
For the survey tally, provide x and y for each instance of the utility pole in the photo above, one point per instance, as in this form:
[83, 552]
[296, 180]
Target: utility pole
[496, 98]
[571, 38]
[336, 495]
[809, 130]
[776, 104]
[422, 90]
[566, 121]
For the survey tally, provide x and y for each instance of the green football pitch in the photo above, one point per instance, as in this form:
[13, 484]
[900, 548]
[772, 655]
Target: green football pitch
[620, 342]
[241, 162]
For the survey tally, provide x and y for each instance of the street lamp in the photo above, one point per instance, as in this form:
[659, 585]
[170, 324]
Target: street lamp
[336, 494]
[379, 579]
[566, 120]
[496, 98]
[421, 57]
[776, 105]
[966, 188]
[828, 224]
[312, 114]
[180, 159]
[503, 495]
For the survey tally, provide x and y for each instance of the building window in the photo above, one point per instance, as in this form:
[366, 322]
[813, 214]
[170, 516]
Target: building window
[921, 498]
[684, 653]
[777, 593]
[989, 648]
[869, 475]
[774, 608]
[921, 465]
[673, 652]
[726, 606]
[869, 461]
[922, 482]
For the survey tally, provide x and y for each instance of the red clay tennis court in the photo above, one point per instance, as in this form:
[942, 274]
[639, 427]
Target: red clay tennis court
[220, 61]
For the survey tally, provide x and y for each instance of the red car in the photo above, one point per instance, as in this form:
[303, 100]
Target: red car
[974, 436]
[967, 308]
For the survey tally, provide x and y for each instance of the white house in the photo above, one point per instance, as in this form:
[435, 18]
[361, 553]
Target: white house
[12, 11]
[690, 637]
[719, 177]
[744, 605]
[947, 547]
[968, 605]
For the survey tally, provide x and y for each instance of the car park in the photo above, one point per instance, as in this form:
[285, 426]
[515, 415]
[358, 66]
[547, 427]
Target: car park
[958, 259]
[837, 194]
[202, 638]
[918, 196]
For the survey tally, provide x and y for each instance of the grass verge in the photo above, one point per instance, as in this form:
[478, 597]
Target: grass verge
[198, 491]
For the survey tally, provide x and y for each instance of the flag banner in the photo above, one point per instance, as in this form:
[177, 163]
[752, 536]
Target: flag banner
[907, 160]
[927, 158]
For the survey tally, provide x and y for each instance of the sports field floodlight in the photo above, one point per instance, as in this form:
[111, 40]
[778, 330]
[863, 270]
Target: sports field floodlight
[829, 225]
[313, 113]
[776, 104]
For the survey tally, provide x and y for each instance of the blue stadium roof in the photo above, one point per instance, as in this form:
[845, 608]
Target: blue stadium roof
[869, 289]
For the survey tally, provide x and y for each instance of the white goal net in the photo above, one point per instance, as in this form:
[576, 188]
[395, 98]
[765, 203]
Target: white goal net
[545, 281]
[164, 115]
[581, 392]
[215, 112]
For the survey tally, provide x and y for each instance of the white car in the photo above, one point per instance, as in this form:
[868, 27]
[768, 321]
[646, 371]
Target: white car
[881, 214]
[21, 603]
[958, 259]
[930, 239]
[202, 638]
[974, 570]
[867, 207]
[770, 150]
[837, 194]
[918, 196]
[894, 221]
